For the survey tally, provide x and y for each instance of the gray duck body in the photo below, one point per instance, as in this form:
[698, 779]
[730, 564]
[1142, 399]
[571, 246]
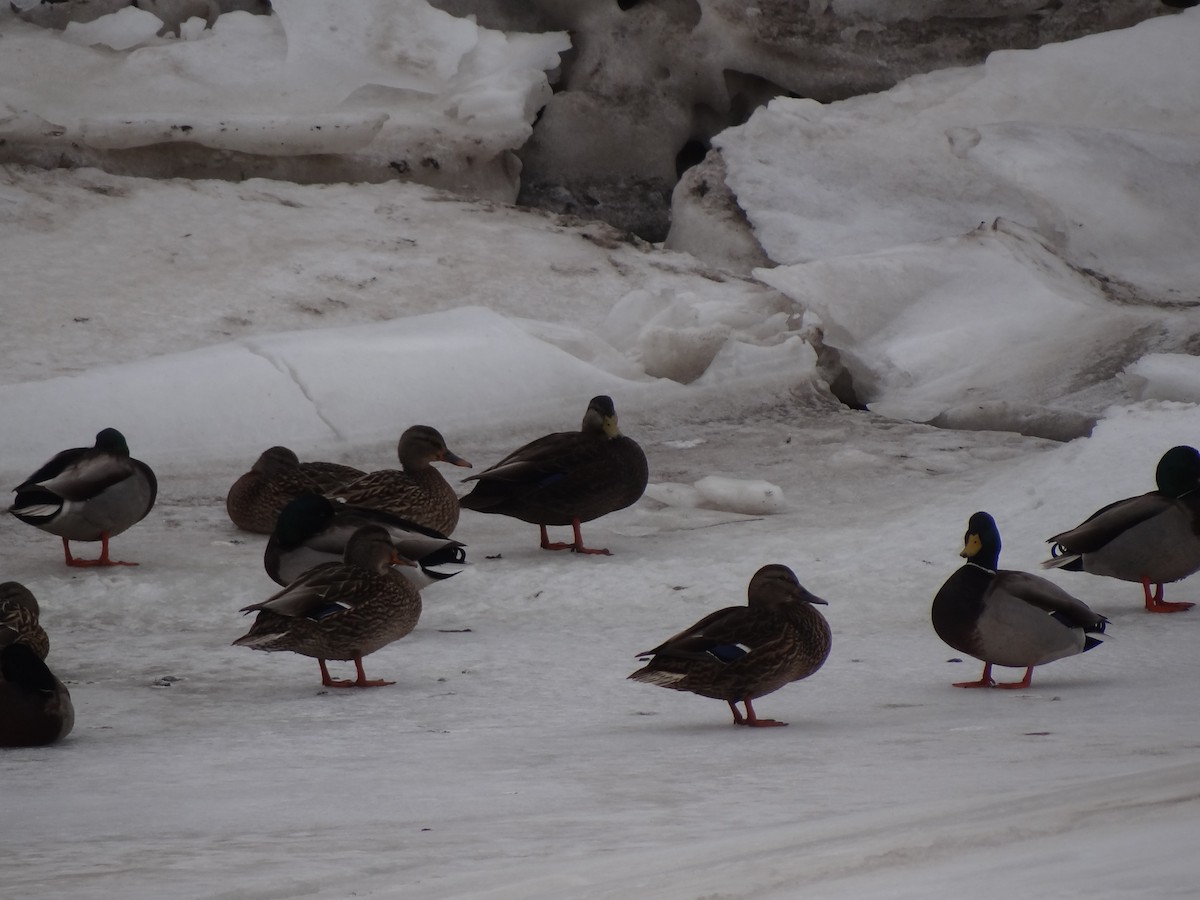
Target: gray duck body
[1153, 538]
[1006, 617]
[313, 529]
[88, 493]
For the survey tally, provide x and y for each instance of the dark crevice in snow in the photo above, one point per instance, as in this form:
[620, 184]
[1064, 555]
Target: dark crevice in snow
[283, 367]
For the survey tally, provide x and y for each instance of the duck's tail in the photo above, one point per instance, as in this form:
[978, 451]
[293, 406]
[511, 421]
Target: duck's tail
[1061, 558]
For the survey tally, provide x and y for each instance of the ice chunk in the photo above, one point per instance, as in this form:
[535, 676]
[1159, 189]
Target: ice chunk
[127, 28]
[747, 496]
[1164, 376]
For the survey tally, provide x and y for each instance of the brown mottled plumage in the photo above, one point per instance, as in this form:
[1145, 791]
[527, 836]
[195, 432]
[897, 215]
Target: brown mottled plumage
[19, 613]
[744, 652]
[1153, 538]
[1008, 618]
[341, 610]
[277, 476]
[566, 478]
[417, 490]
[88, 494]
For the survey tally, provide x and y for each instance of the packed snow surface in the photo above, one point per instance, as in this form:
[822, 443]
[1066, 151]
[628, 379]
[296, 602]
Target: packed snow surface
[512, 758]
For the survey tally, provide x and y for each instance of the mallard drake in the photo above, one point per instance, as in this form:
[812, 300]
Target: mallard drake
[342, 610]
[35, 707]
[1008, 618]
[417, 491]
[313, 529]
[566, 478]
[19, 618]
[88, 494]
[1152, 539]
[742, 653]
[255, 499]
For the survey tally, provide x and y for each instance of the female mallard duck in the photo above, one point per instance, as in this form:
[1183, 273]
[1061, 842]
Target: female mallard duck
[342, 610]
[1154, 538]
[313, 529]
[19, 618]
[255, 499]
[745, 652]
[1008, 618]
[35, 707]
[566, 478]
[416, 491]
[88, 494]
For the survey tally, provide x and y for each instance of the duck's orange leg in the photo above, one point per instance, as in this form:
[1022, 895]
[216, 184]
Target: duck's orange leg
[1023, 683]
[1155, 602]
[89, 563]
[361, 681]
[576, 547]
[985, 680]
[751, 719]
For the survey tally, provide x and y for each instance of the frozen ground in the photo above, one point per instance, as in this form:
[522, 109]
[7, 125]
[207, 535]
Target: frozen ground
[512, 759]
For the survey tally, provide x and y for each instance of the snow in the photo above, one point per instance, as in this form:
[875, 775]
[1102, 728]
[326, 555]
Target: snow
[1045, 193]
[387, 82]
[209, 320]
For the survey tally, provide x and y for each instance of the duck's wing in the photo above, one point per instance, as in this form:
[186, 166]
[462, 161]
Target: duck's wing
[1109, 522]
[725, 635]
[426, 546]
[54, 466]
[1046, 595]
[328, 476]
[537, 460]
[77, 474]
[322, 591]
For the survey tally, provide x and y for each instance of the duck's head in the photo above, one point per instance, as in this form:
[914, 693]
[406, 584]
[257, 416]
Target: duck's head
[776, 584]
[601, 416]
[301, 518]
[275, 461]
[21, 665]
[13, 593]
[370, 547]
[981, 543]
[1178, 471]
[421, 445]
[112, 441]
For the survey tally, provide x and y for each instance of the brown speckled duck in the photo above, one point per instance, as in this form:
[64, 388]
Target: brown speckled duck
[1008, 618]
[566, 478]
[19, 614]
[342, 610]
[88, 494]
[1152, 539]
[255, 499]
[416, 491]
[35, 707]
[742, 653]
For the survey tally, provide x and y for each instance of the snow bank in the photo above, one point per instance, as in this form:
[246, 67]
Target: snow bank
[401, 87]
[1094, 135]
[991, 246]
[466, 368]
[994, 315]
[1165, 376]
